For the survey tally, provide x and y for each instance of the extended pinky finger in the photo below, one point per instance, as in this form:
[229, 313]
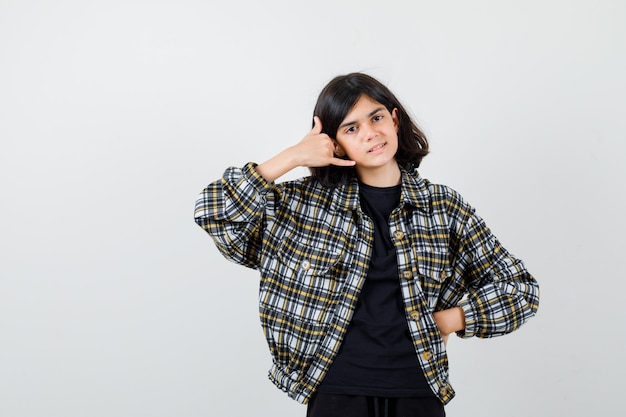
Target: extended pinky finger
[342, 162]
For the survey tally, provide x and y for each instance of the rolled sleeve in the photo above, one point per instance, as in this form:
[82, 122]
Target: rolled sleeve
[502, 295]
[231, 211]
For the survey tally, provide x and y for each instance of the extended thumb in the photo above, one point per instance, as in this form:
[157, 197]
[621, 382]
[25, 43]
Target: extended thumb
[317, 125]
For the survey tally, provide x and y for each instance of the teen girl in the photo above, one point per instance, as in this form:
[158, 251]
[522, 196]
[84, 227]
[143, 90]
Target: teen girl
[366, 268]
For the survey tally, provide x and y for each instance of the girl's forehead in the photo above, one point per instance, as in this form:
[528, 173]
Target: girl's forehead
[364, 105]
[364, 99]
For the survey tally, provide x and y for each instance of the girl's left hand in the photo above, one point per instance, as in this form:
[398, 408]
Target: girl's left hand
[449, 321]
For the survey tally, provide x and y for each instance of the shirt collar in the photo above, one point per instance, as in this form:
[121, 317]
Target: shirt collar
[414, 192]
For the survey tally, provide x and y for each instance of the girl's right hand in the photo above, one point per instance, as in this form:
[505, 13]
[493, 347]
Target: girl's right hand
[317, 149]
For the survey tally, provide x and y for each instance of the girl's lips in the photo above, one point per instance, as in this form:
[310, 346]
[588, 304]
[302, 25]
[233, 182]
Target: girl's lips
[377, 147]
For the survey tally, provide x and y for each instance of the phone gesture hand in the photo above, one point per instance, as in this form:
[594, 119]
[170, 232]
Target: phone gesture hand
[317, 149]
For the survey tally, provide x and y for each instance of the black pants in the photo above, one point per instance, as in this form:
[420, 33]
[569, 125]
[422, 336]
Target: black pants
[331, 405]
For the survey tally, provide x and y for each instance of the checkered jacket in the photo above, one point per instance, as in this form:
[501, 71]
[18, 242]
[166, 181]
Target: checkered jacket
[312, 247]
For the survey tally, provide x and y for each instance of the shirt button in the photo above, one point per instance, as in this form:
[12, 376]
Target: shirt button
[443, 391]
[443, 276]
[415, 315]
[306, 265]
[407, 274]
[428, 355]
[398, 234]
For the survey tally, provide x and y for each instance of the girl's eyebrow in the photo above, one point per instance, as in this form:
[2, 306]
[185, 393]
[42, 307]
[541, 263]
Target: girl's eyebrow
[373, 112]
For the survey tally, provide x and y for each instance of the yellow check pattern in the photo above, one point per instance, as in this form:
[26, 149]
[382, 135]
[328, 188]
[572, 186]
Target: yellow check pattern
[312, 247]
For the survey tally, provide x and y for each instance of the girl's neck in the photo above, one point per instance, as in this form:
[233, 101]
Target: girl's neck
[386, 176]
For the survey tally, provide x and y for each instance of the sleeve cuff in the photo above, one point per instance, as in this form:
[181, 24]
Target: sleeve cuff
[470, 319]
[260, 184]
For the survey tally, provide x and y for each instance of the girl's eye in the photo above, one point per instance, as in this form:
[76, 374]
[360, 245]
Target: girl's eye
[377, 117]
[351, 129]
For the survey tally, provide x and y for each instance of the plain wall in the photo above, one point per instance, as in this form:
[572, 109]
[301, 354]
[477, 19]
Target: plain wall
[115, 114]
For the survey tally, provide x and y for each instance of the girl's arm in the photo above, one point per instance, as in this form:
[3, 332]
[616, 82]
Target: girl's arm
[502, 294]
[450, 320]
[233, 209]
[315, 150]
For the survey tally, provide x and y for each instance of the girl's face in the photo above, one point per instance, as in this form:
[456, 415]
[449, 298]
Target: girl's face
[368, 135]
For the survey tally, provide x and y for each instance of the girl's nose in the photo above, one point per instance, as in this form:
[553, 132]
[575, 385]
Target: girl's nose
[368, 131]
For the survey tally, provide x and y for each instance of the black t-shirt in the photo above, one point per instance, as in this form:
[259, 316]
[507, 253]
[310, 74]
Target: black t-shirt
[377, 356]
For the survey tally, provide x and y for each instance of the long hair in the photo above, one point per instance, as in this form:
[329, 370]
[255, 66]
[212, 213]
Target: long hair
[338, 98]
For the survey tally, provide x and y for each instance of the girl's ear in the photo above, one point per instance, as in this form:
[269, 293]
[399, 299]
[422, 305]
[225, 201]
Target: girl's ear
[339, 150]
[394, 117]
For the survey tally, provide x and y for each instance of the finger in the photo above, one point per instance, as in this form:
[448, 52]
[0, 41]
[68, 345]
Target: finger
[317, 126]
[342, 162]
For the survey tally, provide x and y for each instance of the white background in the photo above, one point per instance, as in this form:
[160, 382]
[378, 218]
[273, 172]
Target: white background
[115, 114]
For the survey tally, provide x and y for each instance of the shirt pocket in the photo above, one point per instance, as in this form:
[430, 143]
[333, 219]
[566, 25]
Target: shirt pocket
[434, 270]
[308, 259]
[304, 280]
[292, 342]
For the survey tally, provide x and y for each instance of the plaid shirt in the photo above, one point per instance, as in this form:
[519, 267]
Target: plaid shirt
[312, 246]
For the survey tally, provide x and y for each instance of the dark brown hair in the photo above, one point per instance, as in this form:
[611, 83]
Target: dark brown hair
[338, 98]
